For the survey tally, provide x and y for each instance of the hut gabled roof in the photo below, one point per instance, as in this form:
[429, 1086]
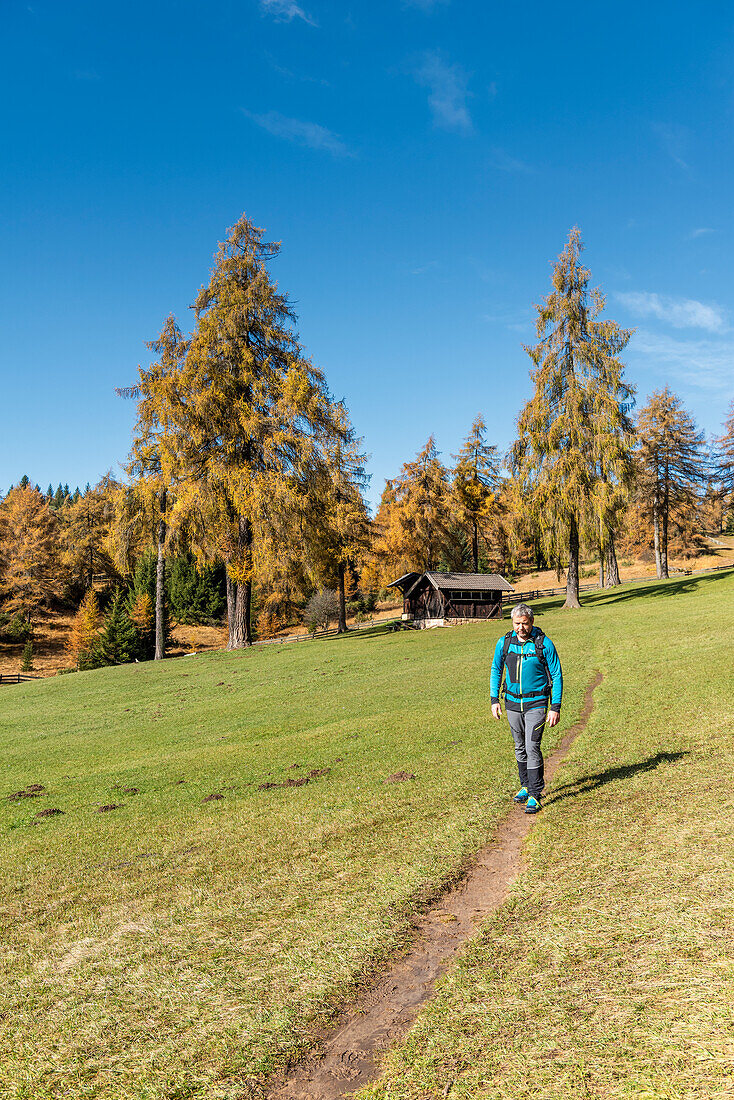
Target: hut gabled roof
[469, 582]
[405, 582]
[465, 582]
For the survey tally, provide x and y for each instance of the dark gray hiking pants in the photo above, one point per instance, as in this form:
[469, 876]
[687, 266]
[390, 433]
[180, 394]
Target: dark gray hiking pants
[527, 730]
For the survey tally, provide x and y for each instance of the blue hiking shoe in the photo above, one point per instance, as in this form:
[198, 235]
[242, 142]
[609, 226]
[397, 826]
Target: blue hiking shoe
[532, 806]
[521, 796]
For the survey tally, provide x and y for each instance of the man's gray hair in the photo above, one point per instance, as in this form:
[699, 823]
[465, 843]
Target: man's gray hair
[522, 609]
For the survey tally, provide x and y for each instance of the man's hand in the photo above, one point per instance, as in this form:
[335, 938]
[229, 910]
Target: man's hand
[496, 710]
[554, 717]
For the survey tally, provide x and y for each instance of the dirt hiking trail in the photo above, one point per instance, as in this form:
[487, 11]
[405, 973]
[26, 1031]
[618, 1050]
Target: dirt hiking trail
[347, 1056]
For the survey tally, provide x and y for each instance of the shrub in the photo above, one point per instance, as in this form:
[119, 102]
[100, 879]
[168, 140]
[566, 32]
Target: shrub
[321, 609]
[14, 628]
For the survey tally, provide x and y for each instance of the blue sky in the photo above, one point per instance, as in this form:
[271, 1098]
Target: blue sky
[422, 162]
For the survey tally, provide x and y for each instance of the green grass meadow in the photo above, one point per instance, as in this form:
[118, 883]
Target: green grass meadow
[610, 972]
[175, 947]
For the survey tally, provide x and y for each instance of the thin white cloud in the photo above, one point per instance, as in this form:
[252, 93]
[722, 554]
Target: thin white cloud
[448, 93]
[703, 232]
[285, 11]
[678, 312]
[425, 5]
[674, 140]
[502, 160]
[309, 134]
[424, 269]
[707, 364]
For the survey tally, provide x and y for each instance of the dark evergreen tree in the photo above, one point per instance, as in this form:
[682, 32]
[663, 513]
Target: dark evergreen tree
[196, 594]
[118, 642]
[24, 482]
[58, 498]
[27, 662]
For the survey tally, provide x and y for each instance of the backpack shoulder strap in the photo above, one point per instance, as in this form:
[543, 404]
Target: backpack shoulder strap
[540, 654]
[506, 645]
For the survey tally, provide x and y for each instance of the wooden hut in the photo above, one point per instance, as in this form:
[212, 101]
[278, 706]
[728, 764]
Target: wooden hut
[440, 599]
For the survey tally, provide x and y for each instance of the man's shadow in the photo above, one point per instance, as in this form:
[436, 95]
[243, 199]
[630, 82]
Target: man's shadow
[586, 783]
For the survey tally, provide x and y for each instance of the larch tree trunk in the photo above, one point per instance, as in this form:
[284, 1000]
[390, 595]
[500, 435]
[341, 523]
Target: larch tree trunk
[602, 554]
[160, 593]
[342, 626]
[239, 594]
[665, 511]
[612, 577]
[231, 597]
[664, 543]
[656, 535]
[572, 577]
[475, 547]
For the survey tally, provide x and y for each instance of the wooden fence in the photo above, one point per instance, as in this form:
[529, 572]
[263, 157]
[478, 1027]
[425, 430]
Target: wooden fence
[395, 623]
[14, 678]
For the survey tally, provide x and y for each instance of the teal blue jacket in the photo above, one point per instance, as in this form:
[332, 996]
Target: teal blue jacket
[526, 684]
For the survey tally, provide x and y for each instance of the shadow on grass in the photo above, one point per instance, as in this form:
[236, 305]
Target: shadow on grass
[586, 783]
[631, 590]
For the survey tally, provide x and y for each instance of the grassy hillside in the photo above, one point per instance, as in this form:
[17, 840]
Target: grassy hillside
[179, 946]
[610, 973]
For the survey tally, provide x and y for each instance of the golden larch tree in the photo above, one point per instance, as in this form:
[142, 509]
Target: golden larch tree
[29, 551]
[244, 414]
[144, 509]
[476, 483]
[84, 632]
[671, 468]
[338, 523]
[412, 525]
[572, 458]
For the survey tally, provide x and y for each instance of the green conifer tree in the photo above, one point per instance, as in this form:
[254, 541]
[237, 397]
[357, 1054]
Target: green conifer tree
[118, 641]
[26, 664]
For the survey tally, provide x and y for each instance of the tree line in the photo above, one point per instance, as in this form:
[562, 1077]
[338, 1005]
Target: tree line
[244, 466]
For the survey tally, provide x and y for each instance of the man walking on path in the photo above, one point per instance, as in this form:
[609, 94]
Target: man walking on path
[533, 676]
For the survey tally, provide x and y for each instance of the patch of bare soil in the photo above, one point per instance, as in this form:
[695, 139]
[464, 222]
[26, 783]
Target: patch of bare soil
[51, 631]
[33, 790]
[346, 1058]
[315, 773]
